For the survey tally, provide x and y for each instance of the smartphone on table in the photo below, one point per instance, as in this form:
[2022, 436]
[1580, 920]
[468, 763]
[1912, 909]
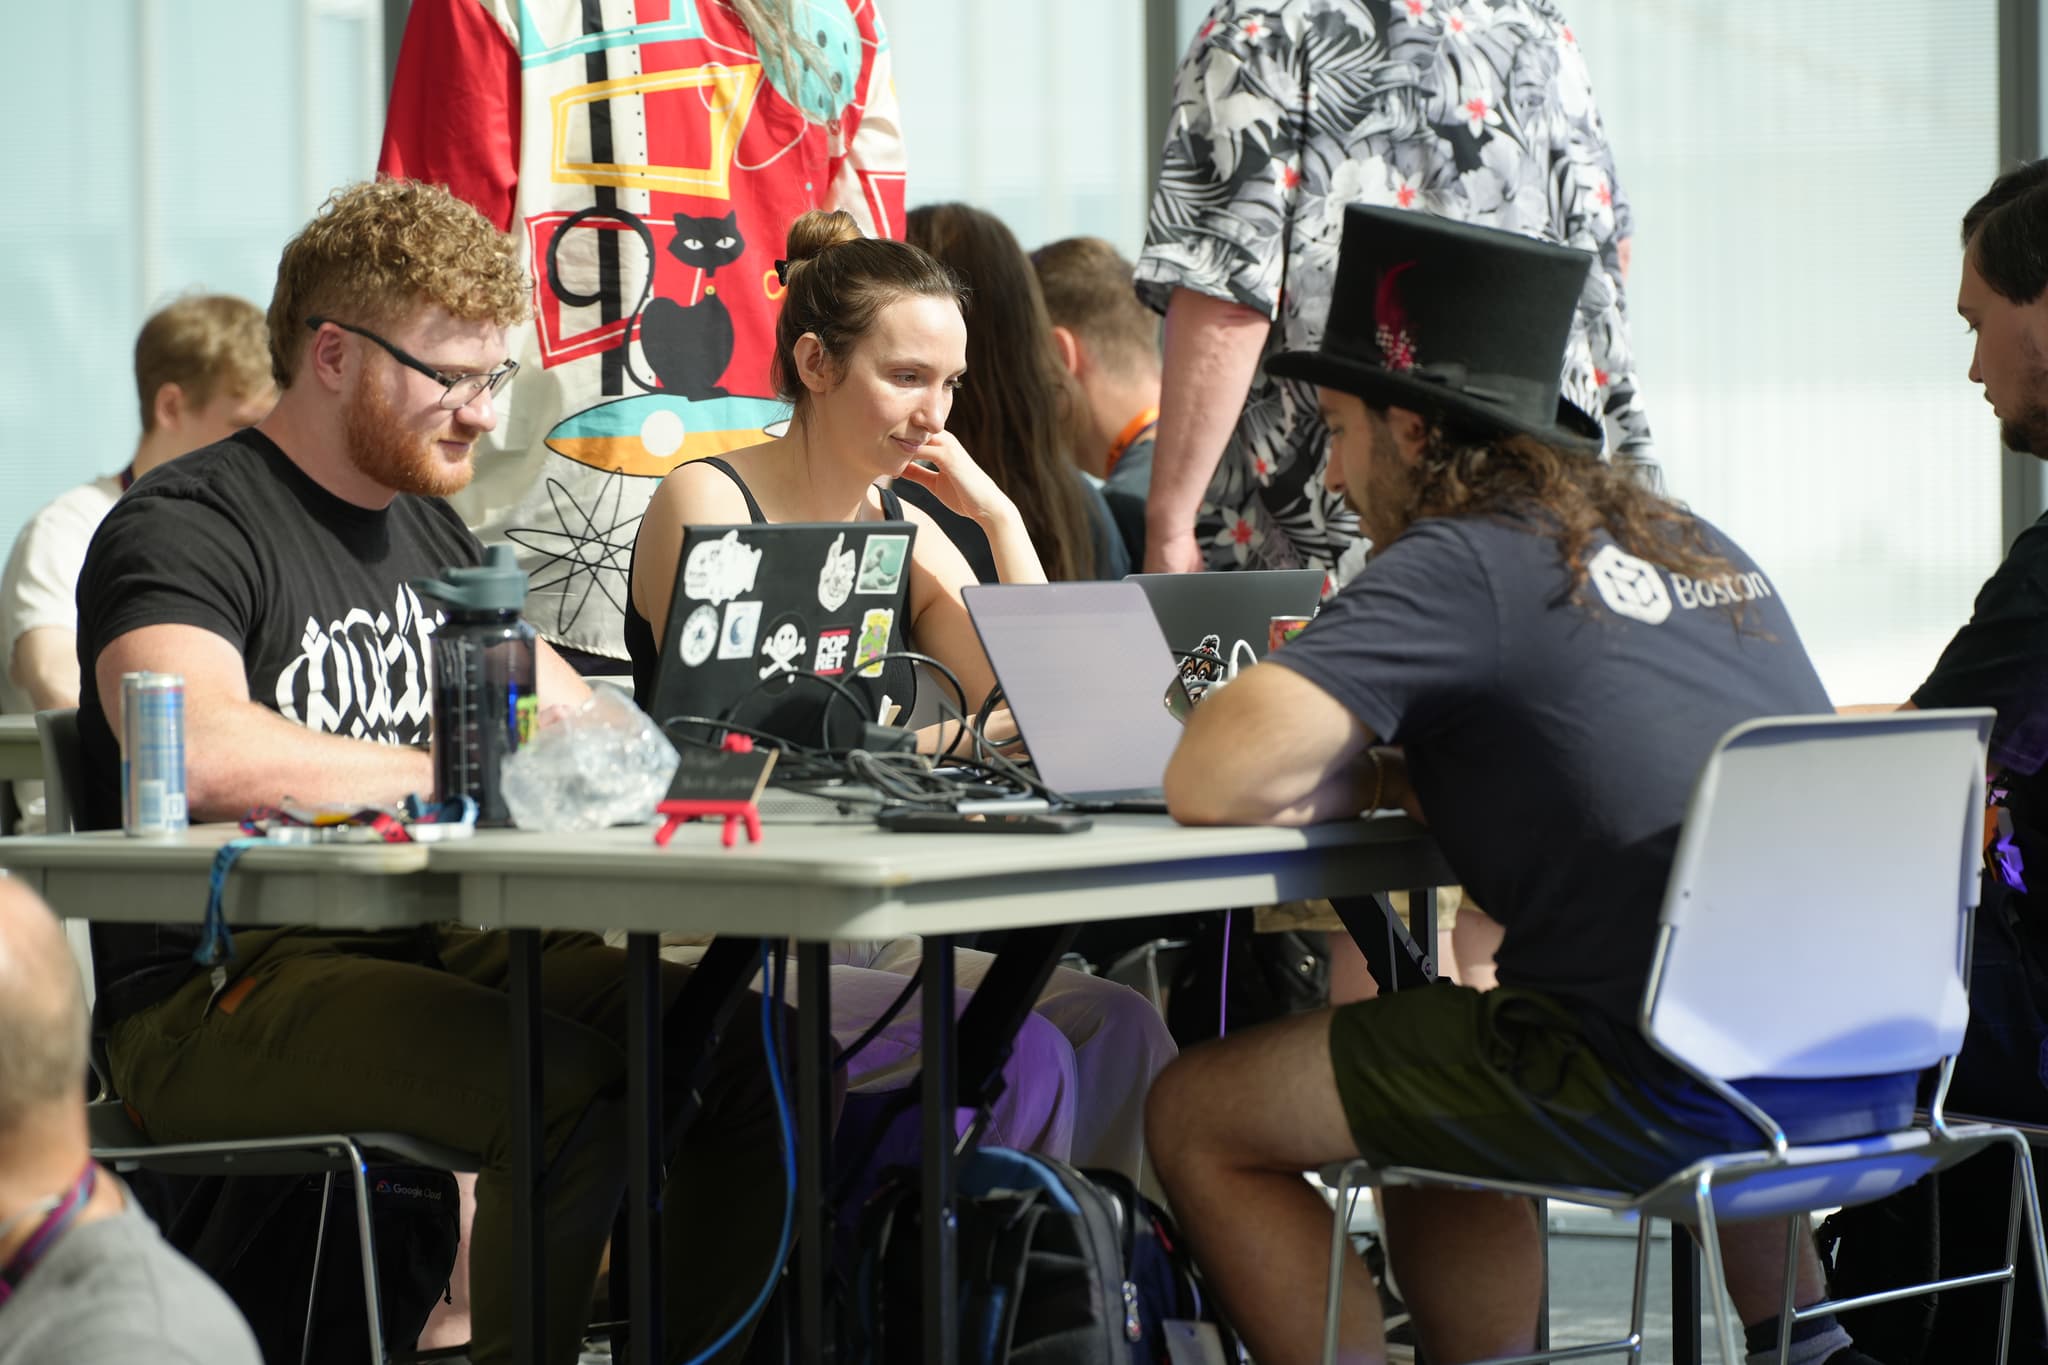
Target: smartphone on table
[914, 820]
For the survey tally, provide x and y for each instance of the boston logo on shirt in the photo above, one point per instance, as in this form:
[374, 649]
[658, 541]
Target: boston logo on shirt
[364, 676]
[1634, 587]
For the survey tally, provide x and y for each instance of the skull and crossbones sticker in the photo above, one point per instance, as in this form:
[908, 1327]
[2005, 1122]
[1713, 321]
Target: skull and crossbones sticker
[783, 649]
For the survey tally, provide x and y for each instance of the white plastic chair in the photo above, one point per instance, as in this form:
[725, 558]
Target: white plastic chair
[1816, 925]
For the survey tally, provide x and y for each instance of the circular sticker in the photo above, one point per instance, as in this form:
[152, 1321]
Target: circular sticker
[700, 635]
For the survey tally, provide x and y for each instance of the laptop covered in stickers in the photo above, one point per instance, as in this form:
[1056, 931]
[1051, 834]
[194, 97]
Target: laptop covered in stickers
[765, 619]
[1084, 668]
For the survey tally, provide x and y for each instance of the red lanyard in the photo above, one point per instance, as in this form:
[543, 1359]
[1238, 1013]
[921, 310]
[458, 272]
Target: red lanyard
[127, 478]
[58, 1215]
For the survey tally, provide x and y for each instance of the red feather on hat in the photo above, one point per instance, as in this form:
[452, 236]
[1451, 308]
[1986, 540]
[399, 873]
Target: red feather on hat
[1390, 322]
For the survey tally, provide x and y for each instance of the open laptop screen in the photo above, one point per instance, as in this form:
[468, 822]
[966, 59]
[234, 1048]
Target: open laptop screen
[1233, 607]
[1083, 667]
[757, 607]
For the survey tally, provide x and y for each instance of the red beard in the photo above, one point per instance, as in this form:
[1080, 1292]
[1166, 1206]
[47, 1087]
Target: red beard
[384, 446]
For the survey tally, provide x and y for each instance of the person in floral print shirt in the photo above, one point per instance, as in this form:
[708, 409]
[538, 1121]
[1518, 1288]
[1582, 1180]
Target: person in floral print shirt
[1287, 111]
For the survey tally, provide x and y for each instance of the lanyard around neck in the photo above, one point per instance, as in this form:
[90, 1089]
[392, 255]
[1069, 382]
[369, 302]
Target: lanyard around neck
[59, 1212]
[1133, 429]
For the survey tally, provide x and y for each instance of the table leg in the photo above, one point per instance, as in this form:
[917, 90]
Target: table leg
[817, 1337]
[645, 1133]
[530, 1327]
[940, 1232]
[987, 1031]
[1391, 954]
[695, 1023]
[1685, 1298]
[1422, 930]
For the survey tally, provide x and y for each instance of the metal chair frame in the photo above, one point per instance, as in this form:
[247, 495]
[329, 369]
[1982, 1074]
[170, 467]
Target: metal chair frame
[1741, 1183]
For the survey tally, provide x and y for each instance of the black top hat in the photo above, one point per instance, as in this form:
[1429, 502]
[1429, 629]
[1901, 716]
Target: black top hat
[1463, 323]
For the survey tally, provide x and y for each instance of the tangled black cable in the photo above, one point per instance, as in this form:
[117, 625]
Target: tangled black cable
[840, 692]
[999, 762]
[896, 777]
[883, 1020]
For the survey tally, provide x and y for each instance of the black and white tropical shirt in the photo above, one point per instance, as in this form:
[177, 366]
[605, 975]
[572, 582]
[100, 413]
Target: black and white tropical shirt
[1286, 111]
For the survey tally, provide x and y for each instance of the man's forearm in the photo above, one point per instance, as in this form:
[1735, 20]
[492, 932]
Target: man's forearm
[1272, 748]
[1238, 790]
[242, 754]
[560, 685]
[1212, 351]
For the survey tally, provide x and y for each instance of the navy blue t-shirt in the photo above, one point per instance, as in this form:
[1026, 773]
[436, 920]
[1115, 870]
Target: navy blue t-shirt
[1553, 739]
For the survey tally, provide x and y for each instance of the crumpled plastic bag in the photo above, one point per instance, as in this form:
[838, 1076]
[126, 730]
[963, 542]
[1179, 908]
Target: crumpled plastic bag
[603, 762]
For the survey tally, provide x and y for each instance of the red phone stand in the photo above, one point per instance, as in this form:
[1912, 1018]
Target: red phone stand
[734, 812]
[678, 810]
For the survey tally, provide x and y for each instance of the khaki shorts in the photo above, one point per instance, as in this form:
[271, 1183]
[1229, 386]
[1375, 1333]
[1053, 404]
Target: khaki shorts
[1302, 916]
[1500, 1083]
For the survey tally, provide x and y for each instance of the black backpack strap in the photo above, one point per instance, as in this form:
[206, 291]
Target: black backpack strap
[996, 1237]
[867, 1325]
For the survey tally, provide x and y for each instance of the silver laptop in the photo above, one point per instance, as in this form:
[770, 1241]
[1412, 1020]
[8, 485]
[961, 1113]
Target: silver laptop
[1232, 606]
[1084, 668]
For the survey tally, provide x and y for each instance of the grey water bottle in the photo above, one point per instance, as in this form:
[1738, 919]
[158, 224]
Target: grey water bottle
[485, 693]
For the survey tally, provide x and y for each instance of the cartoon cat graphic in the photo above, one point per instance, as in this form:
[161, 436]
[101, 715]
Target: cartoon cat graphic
[689, 345]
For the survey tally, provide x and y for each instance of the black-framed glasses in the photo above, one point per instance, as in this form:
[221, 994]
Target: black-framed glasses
[462, 389]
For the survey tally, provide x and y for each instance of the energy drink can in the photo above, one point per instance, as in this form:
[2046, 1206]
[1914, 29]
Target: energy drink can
[152, 753]
[1281, 629]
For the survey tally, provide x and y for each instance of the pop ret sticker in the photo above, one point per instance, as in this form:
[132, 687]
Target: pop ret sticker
[875, 624]
[742, 623]
[700, 635]
[881, 563]
[832, 647]
[835, 580]
[720, 570]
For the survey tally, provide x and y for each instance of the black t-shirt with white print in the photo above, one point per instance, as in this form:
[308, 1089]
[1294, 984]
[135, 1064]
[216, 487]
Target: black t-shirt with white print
[313, 591]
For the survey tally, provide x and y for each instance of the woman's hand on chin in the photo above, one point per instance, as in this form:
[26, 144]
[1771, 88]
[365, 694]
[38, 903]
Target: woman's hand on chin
[944, 466]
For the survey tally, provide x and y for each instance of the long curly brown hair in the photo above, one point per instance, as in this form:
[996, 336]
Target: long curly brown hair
[1521, 479]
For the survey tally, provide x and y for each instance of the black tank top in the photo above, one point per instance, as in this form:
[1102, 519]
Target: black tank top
[899, 677]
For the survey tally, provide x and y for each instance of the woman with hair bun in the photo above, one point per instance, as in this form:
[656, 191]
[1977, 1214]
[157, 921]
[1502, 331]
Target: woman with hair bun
[870, 349]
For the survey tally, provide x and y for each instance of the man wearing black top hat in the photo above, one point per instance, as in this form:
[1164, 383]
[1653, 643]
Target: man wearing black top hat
[1555, 650]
